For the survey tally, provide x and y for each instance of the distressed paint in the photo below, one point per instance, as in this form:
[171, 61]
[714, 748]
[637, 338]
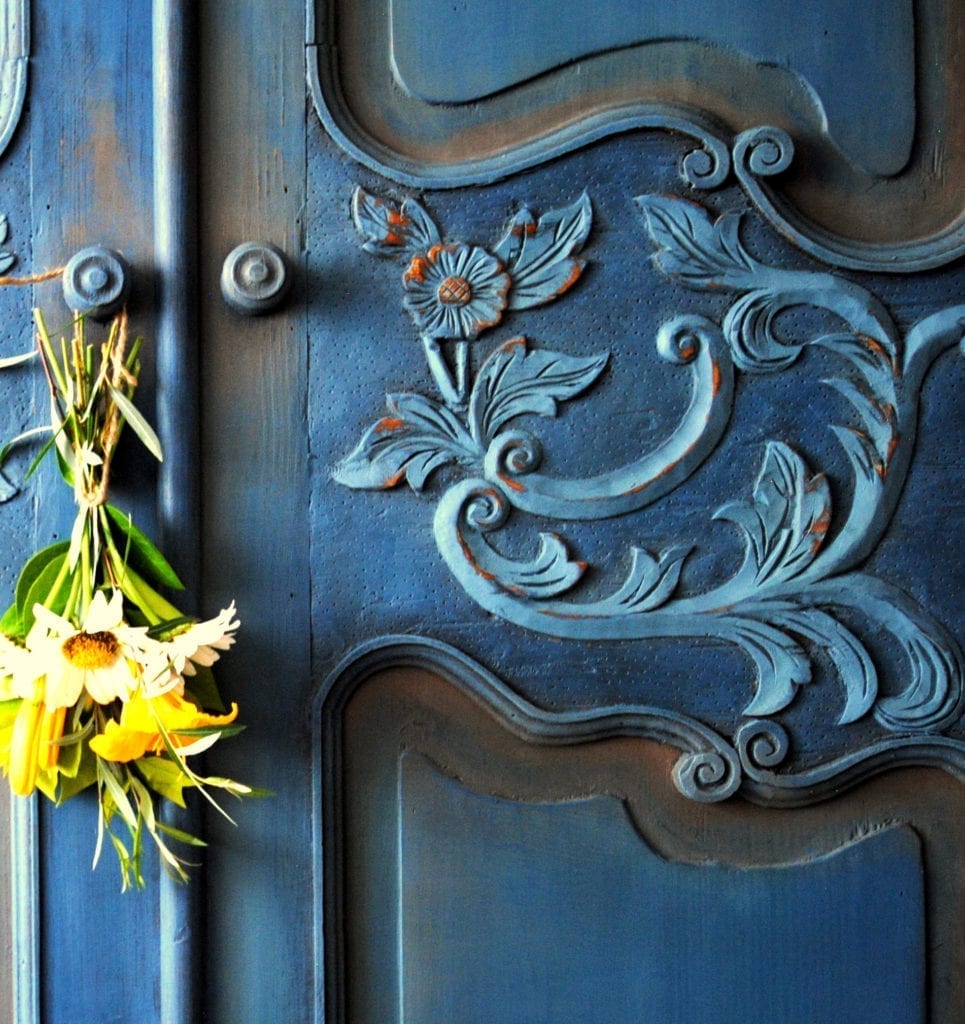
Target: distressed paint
[174, 54]
[788, 588]
[502, 916]
[317, 569]
[366, 346]
[75, 172]
[866, 94]
[490, 787]
[254, 493]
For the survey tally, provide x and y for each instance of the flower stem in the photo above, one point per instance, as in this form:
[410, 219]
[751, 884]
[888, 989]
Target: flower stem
[462, 368]
[441, 372]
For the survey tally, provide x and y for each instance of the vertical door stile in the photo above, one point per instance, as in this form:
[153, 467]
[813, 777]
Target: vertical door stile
[175, 202]
[24, 884]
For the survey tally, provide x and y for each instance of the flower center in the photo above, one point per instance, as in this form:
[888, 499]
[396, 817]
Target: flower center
[91, 650]
[454, 291]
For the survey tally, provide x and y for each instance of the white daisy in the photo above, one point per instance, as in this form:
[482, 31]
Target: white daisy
[103, 657]
[200, 643]
[18, 672]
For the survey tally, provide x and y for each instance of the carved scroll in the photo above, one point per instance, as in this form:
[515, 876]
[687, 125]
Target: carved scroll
[800, 592]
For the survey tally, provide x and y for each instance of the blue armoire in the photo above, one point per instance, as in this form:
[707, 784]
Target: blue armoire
[570, 397]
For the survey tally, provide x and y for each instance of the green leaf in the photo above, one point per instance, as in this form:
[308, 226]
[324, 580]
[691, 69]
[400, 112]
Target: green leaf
[164, 777]
[147, 559]
[210, 730]
[48, 589]
[34, 566]
[180, 835]
[118, 798]
[39, 457]
[140, 593]
[138, 423]
[11, 623]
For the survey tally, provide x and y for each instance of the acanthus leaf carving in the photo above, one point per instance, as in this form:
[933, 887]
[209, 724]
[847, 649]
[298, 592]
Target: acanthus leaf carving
[515, 380]
[797, 595]
[417, 437]
[388, 229]
[693, 248]
[786, 522]
[538, 254]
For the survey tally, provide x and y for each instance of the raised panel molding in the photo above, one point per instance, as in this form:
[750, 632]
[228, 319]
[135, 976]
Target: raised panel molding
[468, 845]
[14, 58]
[770, 103]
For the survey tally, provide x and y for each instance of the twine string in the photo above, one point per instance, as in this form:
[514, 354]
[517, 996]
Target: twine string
[44, 275]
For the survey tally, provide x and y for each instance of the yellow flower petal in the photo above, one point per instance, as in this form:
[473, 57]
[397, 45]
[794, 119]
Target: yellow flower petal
[139, 731]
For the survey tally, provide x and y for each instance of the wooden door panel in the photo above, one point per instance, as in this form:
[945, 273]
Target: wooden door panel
[613, 582]
[478, 868]
[568, 533]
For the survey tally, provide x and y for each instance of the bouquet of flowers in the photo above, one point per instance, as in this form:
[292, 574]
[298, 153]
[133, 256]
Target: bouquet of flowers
[103, 682]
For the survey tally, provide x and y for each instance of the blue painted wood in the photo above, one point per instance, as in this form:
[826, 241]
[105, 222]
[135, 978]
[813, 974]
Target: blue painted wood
[791, 586]
[482, 886]
[551, 911]
[14, 65]
[862, 76]
[285, 399]
[174, 64]
[25, 905]
[86, 143]
[682, 78]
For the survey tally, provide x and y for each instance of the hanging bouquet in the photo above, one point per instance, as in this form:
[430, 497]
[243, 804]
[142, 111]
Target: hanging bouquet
[103, 682]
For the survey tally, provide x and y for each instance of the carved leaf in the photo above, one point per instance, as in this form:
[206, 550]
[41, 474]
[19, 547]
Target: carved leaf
[550, 573]
[514, 381]
[538, 254]
[416, 438]
[788, 519]
[650, 583]
[690, 246]
[781, 664]
[931, 696]
[749, 330]
[387, 229]
[851, 660]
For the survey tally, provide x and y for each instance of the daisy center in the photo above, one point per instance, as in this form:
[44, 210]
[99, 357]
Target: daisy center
[454, 291]
[91, 650]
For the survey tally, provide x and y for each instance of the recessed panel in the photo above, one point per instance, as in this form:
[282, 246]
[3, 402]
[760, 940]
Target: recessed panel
[867, 169]
[549, 912]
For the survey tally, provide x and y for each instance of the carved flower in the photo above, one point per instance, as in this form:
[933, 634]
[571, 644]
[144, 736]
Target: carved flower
[455, 291]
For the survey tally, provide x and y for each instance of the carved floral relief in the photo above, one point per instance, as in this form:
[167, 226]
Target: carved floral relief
[799, 593]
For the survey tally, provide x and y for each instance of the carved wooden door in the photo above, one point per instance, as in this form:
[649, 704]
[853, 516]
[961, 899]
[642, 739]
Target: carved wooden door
[569, 396]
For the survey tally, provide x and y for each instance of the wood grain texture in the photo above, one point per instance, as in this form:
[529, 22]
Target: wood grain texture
[255, 507]
[684, 77]
[90, 150]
